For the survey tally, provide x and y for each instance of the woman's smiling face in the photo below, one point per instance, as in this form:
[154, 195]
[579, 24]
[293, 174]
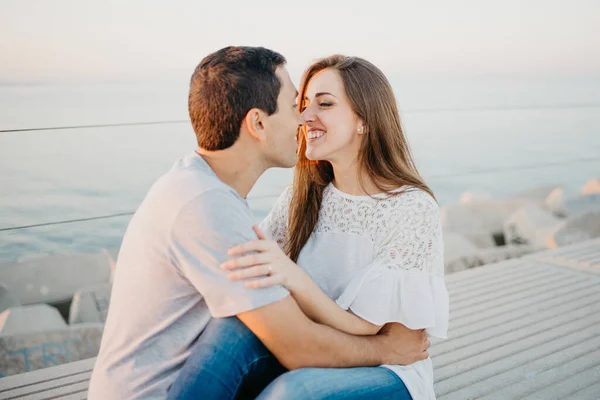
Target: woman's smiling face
[333, 131]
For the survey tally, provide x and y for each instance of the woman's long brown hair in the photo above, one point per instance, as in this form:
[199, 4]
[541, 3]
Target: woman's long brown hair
[384, 152]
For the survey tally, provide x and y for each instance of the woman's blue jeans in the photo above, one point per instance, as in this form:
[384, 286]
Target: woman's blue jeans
[229, 362]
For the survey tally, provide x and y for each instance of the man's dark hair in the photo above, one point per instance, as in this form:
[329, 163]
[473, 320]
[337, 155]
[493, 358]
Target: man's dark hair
[225, 86]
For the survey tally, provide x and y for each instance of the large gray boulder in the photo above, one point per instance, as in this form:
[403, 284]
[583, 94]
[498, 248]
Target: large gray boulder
[501, 253]
[540, 195]
[90, 304]
[7, 300]
[479, 221]
[530, 225]
[24, 353]
[577, 229]
[564, 204]
[555, 202]
[591, 187]
[488, 256]
[30, 319]
[582, 204]
[472, 196]
[113, 256]
[55, 278]
[456, 248]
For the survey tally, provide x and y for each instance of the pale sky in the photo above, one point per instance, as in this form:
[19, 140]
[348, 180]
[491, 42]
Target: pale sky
[80, 40]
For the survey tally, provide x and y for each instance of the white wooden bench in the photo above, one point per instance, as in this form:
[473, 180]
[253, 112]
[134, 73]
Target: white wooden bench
[66, 382]
[520, 329]
[524, 329]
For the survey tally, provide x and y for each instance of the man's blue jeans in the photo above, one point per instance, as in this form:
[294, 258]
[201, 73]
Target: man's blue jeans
[229, 362]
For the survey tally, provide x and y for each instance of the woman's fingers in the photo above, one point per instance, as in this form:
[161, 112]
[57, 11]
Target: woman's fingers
[264, 282]
[247, 261]
[259, 232]
[253, 245]
[252, 272]
[427, 344]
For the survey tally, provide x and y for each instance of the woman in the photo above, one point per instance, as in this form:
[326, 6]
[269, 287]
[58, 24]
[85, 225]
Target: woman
[360, 223]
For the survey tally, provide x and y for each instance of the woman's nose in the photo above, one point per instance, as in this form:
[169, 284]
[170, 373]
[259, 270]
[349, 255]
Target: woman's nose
[301, 120]
[307, 115]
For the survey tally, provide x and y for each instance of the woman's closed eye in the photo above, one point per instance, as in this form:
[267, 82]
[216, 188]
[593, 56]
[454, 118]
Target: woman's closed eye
[325, 104]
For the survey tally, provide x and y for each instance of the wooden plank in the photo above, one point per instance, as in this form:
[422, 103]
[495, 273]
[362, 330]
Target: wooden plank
[46, 385]
[584, 257]
[542, 373]
[509, 302]
[538, 374]
[74, 396]
[513, 338]
[475, 320]
[490, 363]
[531, 305]
[588, 393]
[45, 375]
[58, 392]
[565, 388]
[550, 276]
[528, 274]
[583, 253]
[571, 249]
[526, 317]
[503, 276]
[575, 265]
[471, 277]
[593, 260]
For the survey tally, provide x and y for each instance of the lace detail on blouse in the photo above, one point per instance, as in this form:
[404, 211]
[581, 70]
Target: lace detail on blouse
[405, 229]
[276, 223]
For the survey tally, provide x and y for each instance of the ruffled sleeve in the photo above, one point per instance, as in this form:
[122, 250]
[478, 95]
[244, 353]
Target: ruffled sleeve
[276, 223]
[405, 281]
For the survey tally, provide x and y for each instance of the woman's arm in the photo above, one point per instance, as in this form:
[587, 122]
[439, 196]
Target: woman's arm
[272, 267]
[323, 310]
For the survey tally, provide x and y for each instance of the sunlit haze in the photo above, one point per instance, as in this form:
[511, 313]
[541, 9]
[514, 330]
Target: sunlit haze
[73, 40]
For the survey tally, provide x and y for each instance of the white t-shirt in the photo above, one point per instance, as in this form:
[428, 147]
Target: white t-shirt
[168, 281]
[383, 259]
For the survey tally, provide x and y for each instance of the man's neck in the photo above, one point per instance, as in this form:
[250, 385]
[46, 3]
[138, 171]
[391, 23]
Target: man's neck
[236, 168]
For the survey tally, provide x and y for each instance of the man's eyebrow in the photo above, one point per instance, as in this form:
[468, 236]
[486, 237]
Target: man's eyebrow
[319, 95]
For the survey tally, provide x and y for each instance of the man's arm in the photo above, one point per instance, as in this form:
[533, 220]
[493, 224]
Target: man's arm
[298, 342]
[313, 302]
[205, 229]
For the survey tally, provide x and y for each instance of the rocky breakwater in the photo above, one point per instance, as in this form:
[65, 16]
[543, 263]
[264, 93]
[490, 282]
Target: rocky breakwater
[479, 229]
[52, 309]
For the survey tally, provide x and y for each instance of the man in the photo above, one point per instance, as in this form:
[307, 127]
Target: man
[168, 283]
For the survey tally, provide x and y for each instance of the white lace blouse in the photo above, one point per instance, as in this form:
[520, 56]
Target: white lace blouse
[380, 257]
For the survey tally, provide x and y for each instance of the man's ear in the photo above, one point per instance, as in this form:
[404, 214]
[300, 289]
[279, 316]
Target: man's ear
[255, 123]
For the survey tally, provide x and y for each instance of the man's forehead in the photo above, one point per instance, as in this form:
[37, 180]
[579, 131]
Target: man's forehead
[284, 77]
[283, 73]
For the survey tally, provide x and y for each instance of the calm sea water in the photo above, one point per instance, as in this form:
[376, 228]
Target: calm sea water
[483, 135]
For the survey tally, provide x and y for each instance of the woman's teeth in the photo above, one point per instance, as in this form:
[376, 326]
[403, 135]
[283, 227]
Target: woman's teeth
[315, 134]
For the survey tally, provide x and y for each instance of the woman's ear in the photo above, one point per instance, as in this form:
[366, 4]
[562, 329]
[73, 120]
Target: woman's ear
[360, 128]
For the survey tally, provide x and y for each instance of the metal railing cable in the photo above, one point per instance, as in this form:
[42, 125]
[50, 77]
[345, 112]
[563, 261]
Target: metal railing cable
[275, 195]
